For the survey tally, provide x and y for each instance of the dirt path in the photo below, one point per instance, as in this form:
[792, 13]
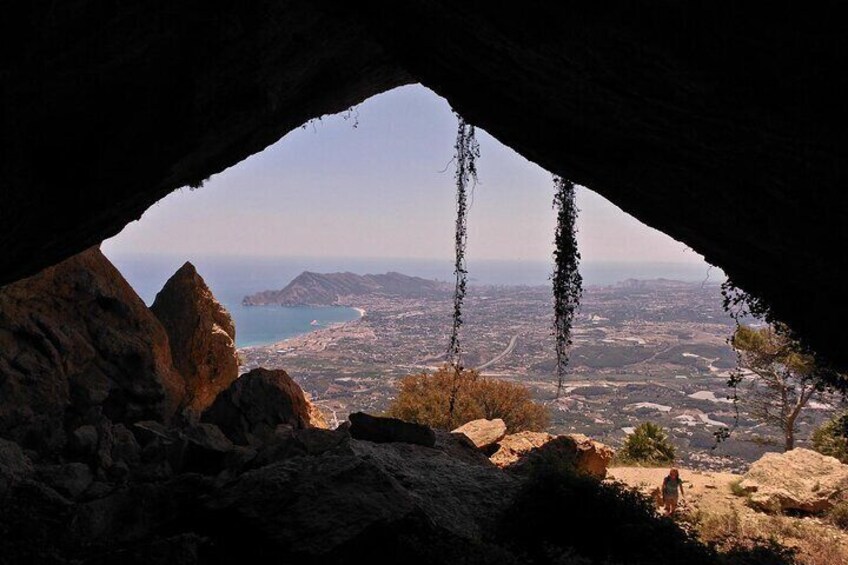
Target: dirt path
[703, 490]
[718, 515]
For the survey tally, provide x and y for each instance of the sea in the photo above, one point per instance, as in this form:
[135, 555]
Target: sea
[233, 278]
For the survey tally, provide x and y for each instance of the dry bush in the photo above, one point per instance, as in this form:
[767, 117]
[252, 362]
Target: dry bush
[737, 489]
[425, 399]
[718, 528]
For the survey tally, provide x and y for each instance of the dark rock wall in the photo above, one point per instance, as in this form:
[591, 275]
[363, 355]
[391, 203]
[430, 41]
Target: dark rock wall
[76, 344]
[722, 125]
[106, 107]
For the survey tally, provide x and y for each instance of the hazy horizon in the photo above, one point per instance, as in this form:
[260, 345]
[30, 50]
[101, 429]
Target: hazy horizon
[384, 189]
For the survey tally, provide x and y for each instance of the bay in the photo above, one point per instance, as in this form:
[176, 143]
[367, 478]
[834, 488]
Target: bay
[233, 278]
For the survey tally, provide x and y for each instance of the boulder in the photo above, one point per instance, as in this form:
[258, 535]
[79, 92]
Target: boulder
[254, 405]
[460, 447]
[484, 433]
[593, 457]
[385, 430]
[202, 336]
[77, 341]
[315, 441]
[68, 479]
[522, 450]
[205, 449]
[83, 440]
[125, 447]
[14, 465]
[799, 480]
[314, 508]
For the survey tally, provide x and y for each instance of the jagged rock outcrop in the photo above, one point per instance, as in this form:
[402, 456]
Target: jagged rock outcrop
[799, 480]
[202, 337]
[483, 433]
[520, 451]
[387, 430]
[256, 403]
[77, 344]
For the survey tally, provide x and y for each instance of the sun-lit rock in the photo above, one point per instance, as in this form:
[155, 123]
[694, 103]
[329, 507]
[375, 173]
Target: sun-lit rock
[484, 433]
[799, 480]
[521, 450]
[201, 334]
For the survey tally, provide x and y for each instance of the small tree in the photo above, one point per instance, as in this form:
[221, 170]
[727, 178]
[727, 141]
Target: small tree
[831, 438]
[647, 444]
[786, 377]
[425, 399]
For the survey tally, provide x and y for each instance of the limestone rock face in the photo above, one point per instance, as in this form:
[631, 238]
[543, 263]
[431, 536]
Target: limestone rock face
[801, 480]
[521, 450]
[202, 337]
[77, 341]
[484, 433]
[389, 430]
[256, 403]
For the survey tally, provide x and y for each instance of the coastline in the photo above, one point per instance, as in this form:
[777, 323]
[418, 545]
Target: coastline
[317, 329]
[268, 325]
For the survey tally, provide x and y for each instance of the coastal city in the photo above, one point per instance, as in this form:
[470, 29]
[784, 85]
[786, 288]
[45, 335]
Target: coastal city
[652, 350]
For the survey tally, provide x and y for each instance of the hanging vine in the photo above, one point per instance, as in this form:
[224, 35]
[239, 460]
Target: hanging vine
[466, 153]
[567, 282]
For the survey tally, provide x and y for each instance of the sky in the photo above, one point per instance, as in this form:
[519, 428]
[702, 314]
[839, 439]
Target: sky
[377, 182]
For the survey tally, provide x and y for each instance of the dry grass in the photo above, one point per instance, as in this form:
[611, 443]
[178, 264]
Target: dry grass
[814, 541]
[736, 488]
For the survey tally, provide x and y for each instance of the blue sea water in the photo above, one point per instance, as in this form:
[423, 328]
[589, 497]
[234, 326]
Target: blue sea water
[232, 278]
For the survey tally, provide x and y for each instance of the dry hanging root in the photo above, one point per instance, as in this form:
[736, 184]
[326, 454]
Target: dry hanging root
[567, 282]
[466, 152]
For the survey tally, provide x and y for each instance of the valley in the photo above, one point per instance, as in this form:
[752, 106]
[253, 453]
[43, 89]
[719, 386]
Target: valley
[643, 350]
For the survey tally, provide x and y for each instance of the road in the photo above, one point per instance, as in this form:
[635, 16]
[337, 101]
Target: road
[503, 354]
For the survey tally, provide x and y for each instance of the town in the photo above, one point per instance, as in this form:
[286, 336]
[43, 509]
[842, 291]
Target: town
[652, 350]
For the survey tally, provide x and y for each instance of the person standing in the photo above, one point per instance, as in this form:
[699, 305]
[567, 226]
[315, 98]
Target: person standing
[671, 486]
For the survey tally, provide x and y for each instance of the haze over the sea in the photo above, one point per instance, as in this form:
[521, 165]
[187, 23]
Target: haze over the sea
[232, 278]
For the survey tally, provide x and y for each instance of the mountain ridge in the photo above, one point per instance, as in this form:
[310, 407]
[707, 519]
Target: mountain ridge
[327, 289]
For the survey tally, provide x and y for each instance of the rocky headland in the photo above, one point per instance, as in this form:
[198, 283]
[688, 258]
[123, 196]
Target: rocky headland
[328, 289]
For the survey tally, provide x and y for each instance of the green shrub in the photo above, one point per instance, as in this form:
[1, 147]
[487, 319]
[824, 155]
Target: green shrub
[831, 438]
[647, 445]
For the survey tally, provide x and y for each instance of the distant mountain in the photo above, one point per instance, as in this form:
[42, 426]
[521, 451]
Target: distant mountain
[326, 289]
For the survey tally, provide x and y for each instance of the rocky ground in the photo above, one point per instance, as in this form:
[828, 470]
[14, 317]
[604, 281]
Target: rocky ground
[719, 512]
[126, 438]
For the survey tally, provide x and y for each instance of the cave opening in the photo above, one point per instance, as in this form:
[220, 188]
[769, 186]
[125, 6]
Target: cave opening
[373, 185]
[138, 428]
